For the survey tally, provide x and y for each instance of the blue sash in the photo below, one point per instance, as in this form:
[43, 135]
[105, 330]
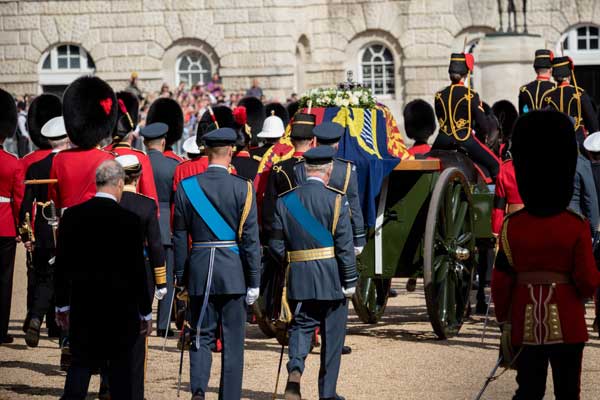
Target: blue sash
[208, 212]
[307, 221]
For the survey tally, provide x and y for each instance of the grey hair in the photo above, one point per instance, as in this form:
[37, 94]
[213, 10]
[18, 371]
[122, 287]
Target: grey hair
[109, 173]
[318, 168]
[59, 143]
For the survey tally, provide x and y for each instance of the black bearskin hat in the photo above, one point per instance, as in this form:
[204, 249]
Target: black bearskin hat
[292, 108]
[132, 106]
[90, 111]
[255, 110]
[42, 109]
[419, 120]
[224, 117]
[507, 115]
[279, 110]
[167, 111]
[8, 120]
[545, 187]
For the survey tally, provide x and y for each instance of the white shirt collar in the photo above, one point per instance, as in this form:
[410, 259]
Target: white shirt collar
[315, 178]
[105, 195]
[217, 166]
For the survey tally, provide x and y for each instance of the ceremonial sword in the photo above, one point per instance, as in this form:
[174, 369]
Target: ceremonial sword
[211, 265]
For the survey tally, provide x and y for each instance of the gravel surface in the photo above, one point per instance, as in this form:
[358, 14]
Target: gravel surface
[399, 358]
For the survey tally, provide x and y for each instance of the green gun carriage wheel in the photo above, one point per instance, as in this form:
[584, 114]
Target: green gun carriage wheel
[370, 298]
[449, 250]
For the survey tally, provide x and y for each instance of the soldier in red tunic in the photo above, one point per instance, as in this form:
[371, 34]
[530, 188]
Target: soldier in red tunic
[419, 125]
[545, 267]
[11, 195]
[90, 114]
[123, 137]
[42, 109]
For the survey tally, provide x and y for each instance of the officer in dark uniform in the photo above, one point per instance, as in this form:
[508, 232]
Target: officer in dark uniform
[145, 208]
[460, 112]
[36, 202]
[312, 233]
[164, 169]
[570, 99]
[343, 180]
[218, 211]
[532, 94]
[545, 266]
[285, 175]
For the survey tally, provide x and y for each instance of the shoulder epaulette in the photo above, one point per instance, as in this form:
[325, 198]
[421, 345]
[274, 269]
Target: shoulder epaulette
[139, 151]
[344, 160]
[512, 214]
[241, 177]
[257, 158]
[287, 191]
[571, 211]
[147, 197]
[338, 191]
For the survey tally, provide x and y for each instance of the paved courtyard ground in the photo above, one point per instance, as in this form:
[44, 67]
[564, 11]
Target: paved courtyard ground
[397, 359]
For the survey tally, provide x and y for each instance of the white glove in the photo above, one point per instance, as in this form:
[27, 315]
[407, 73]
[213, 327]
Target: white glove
[252, 295]
[349, 292]
[160, 293]
[358, 250]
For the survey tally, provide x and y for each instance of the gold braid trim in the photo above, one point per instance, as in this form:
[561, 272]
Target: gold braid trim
[323, 253]
[246, 211]
[505, 244]
[336, 213]
[160, 275]
[347, 181]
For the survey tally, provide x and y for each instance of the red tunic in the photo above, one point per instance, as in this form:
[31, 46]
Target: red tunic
[545, 313]
[192, 167]
[75, 170]
[507, 194]
[146, 185]
[173, 155]
[422, 148]
[11, 192]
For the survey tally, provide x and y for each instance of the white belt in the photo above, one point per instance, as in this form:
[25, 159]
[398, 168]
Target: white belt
[5, 199]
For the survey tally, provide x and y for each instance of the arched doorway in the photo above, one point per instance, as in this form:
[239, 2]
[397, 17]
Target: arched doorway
[582, 44]
[61, 65]
[302, 59]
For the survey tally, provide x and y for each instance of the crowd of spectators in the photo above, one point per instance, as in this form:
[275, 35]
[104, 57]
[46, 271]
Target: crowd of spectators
[194, 101]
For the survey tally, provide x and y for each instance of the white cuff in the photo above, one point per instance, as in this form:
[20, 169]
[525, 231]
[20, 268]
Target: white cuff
[62, 309]
[146, 317]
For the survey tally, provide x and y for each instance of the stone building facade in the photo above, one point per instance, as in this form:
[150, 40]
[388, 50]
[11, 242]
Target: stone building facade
[399, 47]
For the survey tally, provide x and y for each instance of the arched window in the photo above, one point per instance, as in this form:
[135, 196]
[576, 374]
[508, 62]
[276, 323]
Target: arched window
[582, 43]
[61, 65]
[377, 69]
[193, 67]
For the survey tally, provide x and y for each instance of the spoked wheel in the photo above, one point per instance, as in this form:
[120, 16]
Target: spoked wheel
[370, 298]
[449, 246]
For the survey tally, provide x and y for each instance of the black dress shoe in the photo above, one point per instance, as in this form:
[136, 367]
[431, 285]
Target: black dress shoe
[26, 323]
[393, 293]
[161, 333]
[198, 396]
[337, 397]
[32, 336]
[411, 284]
[7, 339]
[292, 389]
[481, 308]
[346, 350]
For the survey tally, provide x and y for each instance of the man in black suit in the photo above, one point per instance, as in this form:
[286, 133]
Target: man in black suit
[102, 297]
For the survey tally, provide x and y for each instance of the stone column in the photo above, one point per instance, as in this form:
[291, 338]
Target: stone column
[505, 63]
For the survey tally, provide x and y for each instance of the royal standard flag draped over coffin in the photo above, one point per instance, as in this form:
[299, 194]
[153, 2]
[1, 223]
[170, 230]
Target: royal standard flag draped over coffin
[372, 141]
